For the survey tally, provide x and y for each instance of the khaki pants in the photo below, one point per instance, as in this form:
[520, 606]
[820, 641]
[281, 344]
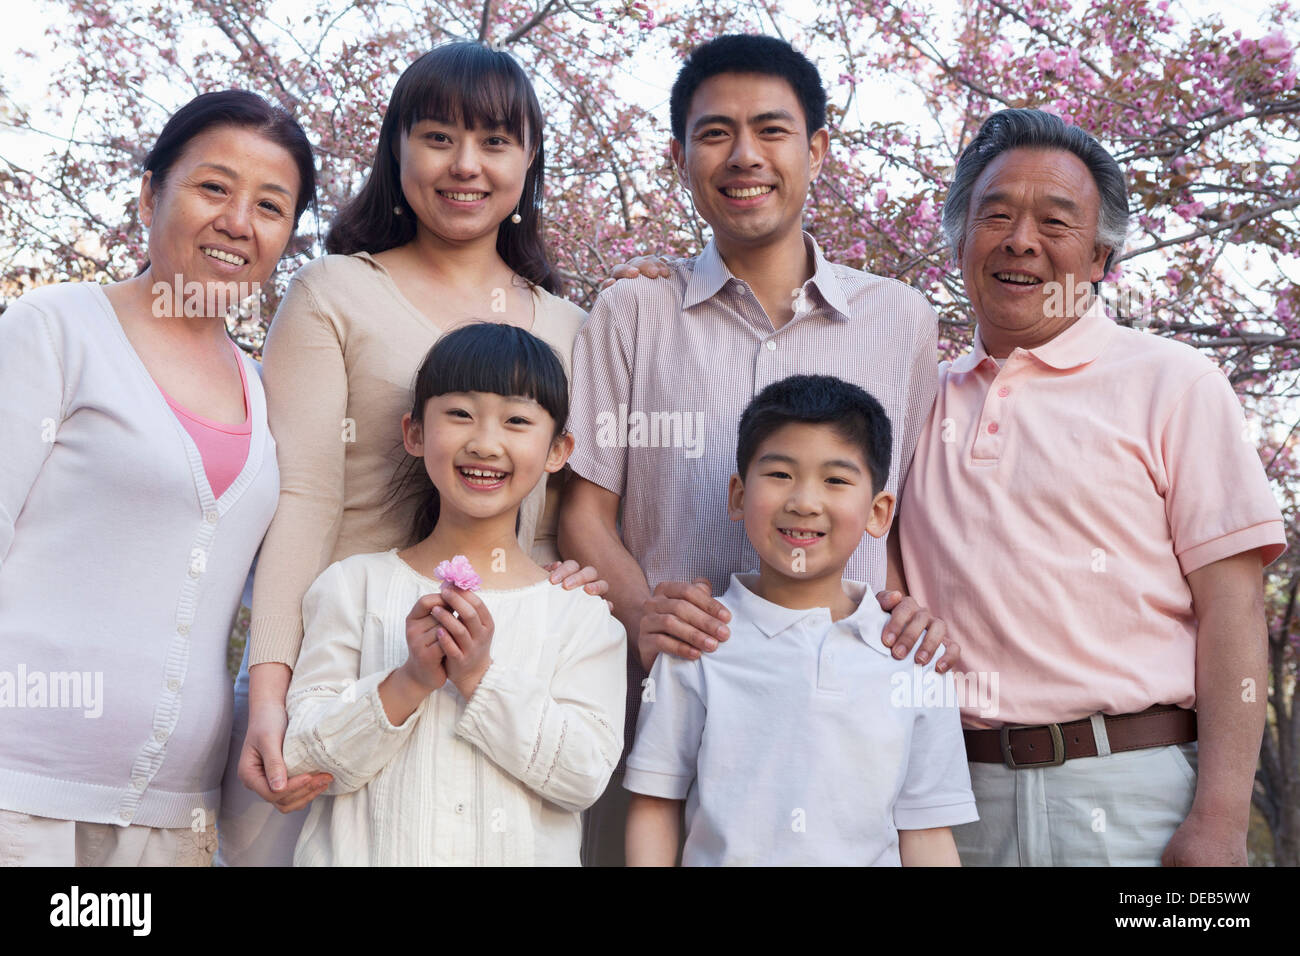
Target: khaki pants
[26, 840]
[1113, 810]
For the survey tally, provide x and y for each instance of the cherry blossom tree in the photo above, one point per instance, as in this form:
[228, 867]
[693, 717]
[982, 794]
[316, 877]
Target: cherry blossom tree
[1205, 119]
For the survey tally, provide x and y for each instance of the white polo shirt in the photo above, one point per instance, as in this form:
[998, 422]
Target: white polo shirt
[801, 741]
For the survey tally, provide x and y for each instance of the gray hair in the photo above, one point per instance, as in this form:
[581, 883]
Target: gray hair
[1034, 129]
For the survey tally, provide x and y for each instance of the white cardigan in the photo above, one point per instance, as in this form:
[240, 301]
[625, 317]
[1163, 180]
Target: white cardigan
[120, 574]
[500, 781]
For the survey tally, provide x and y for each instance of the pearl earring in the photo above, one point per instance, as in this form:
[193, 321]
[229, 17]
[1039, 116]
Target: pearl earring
[516, 218]
[397, 210]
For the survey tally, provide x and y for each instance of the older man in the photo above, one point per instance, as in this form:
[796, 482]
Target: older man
[1086, 515]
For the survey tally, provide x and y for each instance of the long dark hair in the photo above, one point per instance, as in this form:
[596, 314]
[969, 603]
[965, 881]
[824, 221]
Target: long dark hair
[470, 84]
[480, 357]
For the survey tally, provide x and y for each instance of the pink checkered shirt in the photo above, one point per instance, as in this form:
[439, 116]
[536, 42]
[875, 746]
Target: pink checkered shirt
[663, 368]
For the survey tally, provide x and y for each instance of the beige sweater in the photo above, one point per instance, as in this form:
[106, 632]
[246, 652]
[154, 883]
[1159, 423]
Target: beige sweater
[339, 365]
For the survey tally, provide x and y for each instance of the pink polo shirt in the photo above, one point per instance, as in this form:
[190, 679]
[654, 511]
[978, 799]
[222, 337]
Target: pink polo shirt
[1055, 506]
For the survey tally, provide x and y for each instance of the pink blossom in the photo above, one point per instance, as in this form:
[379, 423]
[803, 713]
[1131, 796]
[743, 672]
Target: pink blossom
[1275, 46]
[459, 573]
[1046, 60]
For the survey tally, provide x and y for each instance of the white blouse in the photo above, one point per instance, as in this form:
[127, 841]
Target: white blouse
[501, 780]
[120, 574]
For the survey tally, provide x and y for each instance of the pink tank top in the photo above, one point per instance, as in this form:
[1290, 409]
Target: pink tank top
[223, 448]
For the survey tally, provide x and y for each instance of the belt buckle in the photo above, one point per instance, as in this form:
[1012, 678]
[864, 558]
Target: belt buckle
[1058, 748]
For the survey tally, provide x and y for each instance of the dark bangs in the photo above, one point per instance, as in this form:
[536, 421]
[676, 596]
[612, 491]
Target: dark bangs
[482, 88]
[468, 83]
[480, 357]
[498, 358]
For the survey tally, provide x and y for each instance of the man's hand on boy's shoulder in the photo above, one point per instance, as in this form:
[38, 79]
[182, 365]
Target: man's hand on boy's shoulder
[907, 621]
[683, 619]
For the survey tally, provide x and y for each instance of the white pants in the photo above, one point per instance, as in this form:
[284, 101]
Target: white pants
[1114, 810]
[26, 840]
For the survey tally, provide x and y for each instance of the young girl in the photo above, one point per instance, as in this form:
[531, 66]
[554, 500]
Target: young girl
[461, 727]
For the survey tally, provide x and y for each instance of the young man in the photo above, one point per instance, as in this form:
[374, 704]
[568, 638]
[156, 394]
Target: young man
[663, 369]
[801, 741]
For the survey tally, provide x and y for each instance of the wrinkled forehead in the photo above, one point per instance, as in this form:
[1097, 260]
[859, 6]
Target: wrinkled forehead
[1049, 178]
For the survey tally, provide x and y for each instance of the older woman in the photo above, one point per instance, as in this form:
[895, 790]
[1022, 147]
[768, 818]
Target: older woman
[137, 480]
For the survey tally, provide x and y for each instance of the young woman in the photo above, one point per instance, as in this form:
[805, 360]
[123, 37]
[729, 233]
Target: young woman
[446, 229]
[137, 480]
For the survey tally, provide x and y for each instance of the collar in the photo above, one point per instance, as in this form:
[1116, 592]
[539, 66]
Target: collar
[772, 619]
[710, 275]
[1078, 345]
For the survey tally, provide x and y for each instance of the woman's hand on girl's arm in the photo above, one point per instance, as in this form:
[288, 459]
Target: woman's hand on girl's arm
[466, 640]
[261, 762]
[571, 575]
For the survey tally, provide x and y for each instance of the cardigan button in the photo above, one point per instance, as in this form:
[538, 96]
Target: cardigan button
[183, 629]
[160, 735]
[460, 808]
[125, 814]
[210, 517]
[173, 684]
[138, 783]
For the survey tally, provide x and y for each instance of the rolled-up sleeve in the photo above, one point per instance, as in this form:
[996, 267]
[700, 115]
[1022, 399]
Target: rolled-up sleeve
[936, 789]
[1218, 500]
[669, 730]
[603, 355]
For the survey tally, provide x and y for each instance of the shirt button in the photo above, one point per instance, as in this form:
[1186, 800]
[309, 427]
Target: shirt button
[771, 345]
[1003, 392]
[173, 684]
[993, 428]
[460, 808]
[210, 517]
[183, 629]
[160, 735]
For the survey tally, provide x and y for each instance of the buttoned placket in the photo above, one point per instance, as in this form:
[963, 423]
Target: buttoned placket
[991, 432]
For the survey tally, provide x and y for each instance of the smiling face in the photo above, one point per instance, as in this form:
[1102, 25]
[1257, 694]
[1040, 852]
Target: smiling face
[461, 183]
[1030, 247]
[224, 212]
[748, 159]
[485, 452]
[806, 501]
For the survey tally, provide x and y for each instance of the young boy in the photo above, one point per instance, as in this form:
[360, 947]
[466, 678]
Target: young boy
[801, 740]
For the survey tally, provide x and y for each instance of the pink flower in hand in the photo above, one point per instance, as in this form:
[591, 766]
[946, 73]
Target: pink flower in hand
[459, 573]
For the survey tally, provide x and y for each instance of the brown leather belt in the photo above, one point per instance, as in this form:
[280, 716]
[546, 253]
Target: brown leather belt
[1050, 745]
